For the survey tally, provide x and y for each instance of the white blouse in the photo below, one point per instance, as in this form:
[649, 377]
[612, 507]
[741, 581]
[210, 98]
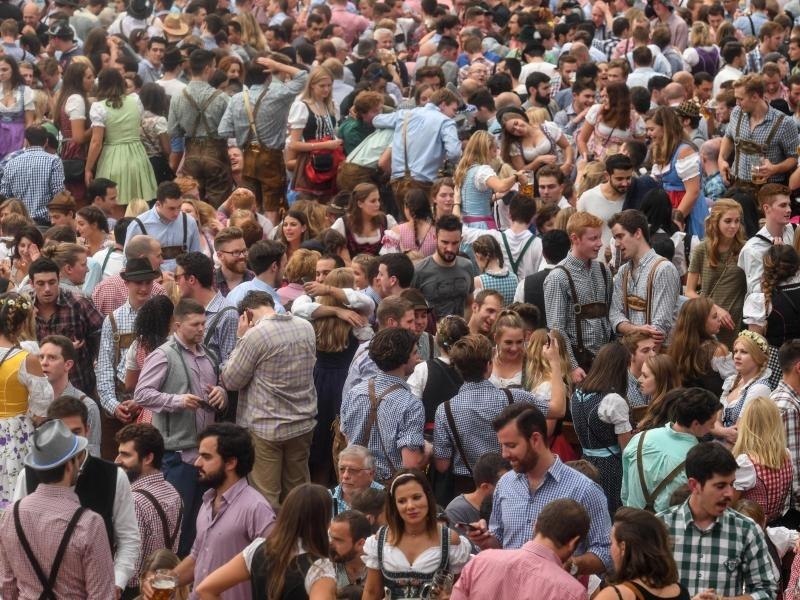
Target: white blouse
[320, 569]
[550, 131]
[98, 113]
[687, 167]
[28, 103]
[426, 562]
[614, 410]
[755, 309]
[339, 227]
[75, 107]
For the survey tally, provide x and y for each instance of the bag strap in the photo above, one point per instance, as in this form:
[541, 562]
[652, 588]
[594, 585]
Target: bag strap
[515, 263]
[448, 411]
[213, 323]
[634, 589]
[405, 144]
[138, 221]
[169, 539]
[251, 112]
[616, 591]
[509, 395]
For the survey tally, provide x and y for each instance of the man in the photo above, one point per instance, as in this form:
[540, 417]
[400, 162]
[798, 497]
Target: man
[150, 66]
[760, 140]
[522, 251]
[466, 508]
[418, 153]
[61, 210]
[59, 312]
[232, 515]
[392, 430]
[158, 505]
[102, 193]
[57, 356]
[272, 368]
[580, 280]
[646, 289]
[116, 337]
[173, 229]
[555, 247]
[770, 39]
[178, 383]
[641, 347]
[787, 398]
[353, 24]
[267, 258]
[665, 14]
[111, 293]
[571, 119]
[194, 276]
[653, 468]
[735, 58]
[256, 118]
[776, 206]
[444, 58]
[50, 544]
[232, 257]
[356, 473]
[485, 308]
[446, 278]
[463, 424]
[539, 91]
[642, 68]
[607, 199]
[718, 552]
[35, 175]
[62, 40]
[751, 24]
[195, 114]
[395, 273]
[522, 431]
[101, 487]
[561, 527]
[348, 532]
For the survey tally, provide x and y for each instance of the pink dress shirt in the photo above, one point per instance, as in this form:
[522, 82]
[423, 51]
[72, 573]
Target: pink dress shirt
[353, 25]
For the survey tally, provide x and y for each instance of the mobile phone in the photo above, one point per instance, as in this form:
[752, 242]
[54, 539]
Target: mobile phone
[468, 526]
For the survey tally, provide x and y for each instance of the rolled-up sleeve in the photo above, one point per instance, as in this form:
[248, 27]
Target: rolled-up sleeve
[148, 392]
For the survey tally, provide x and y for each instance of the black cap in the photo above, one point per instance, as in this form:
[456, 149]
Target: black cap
[61, 30]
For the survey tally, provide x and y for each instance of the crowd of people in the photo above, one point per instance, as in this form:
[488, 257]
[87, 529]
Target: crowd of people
[399, 299]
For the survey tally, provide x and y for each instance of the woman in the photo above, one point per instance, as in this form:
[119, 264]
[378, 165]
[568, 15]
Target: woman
[292, 562]
[27, 245]
[676, 166]
[13, 205]
[443, 197]
[765, 472]
[231, 65]
[644, 567]
[508, 364]
[406, 553]
[477, 182]
[659, 376]
[70, 114]
[207, 224]
[16, 107]
[702, 54]
[601, 417]
[312, 128]
[158, 560]
[154, 130]
[751, 380]
[609, 125]
[714, 267]
[294, 230]
[116, 151]
[774, 312]
[702, 361]
[92, 226]
[417, 236]
[493, 274]
[302, 267]
[25, 392]
[364, 224]
[526, 146]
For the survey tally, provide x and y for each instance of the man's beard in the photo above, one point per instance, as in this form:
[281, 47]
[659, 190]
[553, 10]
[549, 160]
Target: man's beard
[444, 257]
[237, 266]
[134, 473]
[528, 462]
[213, 480]
[542, 100]
[343, 558]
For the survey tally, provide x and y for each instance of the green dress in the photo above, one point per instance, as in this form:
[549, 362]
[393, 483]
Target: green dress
[123, 158]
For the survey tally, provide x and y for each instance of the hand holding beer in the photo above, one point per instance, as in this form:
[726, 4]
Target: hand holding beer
[164, 584]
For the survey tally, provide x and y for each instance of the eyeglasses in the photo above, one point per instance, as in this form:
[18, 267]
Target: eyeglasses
[233, 252]
[352, 470]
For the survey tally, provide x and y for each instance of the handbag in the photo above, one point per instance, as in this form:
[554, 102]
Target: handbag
[74, 169]
[322, 165]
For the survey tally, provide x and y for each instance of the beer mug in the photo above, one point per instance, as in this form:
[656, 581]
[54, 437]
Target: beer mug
[164, 584]
[526, 189]
[758, 176]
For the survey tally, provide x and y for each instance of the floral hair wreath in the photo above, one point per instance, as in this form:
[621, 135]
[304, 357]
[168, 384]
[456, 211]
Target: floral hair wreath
[757, 339]
[20, 302]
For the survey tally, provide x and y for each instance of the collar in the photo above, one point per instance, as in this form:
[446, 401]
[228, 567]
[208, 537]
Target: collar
[574, 261]
[789, 389]
[230, 495]
[556, 471]
[392, 379]
[541, 551]
[34, 149]
[56, 491]
[678, 434]
[274, 317]
[688, 517]
[161, 219]
[146, 481]
[644, 260]
[200, 350]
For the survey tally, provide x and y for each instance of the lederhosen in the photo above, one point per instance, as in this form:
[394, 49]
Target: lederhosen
[402, 185]
[47, 582]
[411, 584]
[592, 310]
[631, 302]
[171, 252]
[109, 423]
[262, 167]
[294, 579]
[743, 146]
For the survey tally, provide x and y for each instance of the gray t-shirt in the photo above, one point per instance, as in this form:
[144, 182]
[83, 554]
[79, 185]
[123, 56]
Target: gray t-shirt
[461, 511]
[446, 288]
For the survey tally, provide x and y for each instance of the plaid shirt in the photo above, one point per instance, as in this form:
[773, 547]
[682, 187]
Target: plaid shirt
[111, 293]
[399, 423]
[783, 145]
[591, 287]
[107, 366]
[788, 402]
[473, 408]
[151, 528]
[222, 284]
[35, 176]
[754, 61]
[273, 367]
[76, 318]
[516, 507]
[607, 45]
[339, 503]
[730, 557]
[223, 336]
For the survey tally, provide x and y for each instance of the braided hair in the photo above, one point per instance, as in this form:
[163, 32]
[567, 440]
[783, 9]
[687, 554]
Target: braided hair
[15, 310]
[780, 263]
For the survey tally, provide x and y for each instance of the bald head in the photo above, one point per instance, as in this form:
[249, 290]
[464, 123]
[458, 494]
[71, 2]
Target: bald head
[686, 79]
[140, 246]
[580, 52]
[673, 94]
[507, 99]
[30, 14]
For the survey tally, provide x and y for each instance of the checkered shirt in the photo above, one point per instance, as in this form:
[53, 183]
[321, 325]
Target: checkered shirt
[107, 366]
[35, 176]
[151, 528]
[78, 319]
[400, 421]
[788, 402]
[339, 503]
[111, 293]
[222, 284]
[474, 407]
[754, 61]
[731, 556]
[516, 507]
[635, 396]
[607, 45]
[223, 338]
[591, 287]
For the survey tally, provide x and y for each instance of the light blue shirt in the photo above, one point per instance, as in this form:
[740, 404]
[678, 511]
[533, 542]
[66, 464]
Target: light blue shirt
[168, 233]
[743, 23]
[238, 293]
[431, 138]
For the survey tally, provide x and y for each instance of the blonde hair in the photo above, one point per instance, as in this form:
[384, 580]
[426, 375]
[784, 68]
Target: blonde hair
[713, 235]
[63, 253]
[316, 215]
[317, 75]
[761, 434]
[136, 207]
[700, 35]
[187, 183]
[507, 319]
[563, 216]
[251, 32]
[593, 175]
[333, 333]
[538, 368]
[537, 116]
[302, 264]
[477, 152]
[205, 212]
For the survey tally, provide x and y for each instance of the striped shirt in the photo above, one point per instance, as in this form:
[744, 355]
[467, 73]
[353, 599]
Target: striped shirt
[788, 402]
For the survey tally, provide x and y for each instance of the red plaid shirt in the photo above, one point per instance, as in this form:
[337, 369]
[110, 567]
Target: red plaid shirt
[111, 293]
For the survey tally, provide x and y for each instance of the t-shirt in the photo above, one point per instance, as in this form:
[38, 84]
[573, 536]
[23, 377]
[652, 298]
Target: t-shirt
[594, 202]
[461, 511]
[445, 288]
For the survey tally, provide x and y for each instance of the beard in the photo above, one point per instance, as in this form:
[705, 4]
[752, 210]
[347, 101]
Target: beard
[527, 462]
[542, 100]
[447, 257]
[342, 558]
[134, 473]
[214, 479]
[236, 266]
